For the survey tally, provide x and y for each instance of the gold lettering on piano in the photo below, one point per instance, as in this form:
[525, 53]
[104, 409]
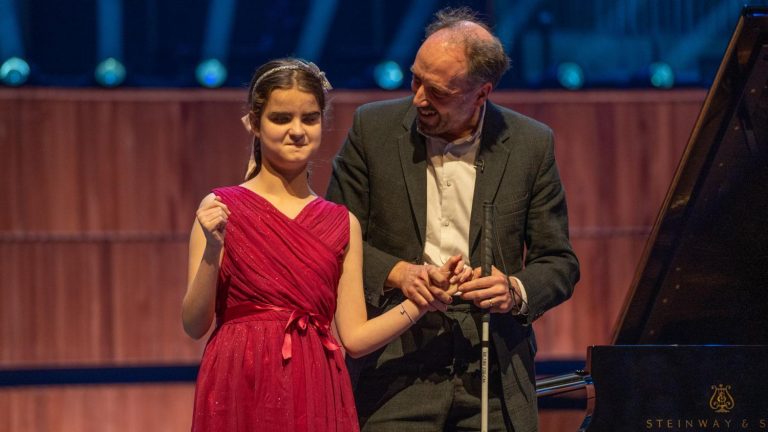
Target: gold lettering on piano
[698, 424]
[721, 400]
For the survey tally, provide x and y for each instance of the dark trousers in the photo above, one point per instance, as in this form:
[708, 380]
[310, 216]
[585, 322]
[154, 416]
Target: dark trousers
[429, 379]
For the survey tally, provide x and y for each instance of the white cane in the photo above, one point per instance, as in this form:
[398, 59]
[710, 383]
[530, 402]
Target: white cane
[486, 263]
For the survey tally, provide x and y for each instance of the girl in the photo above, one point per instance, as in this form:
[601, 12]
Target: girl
[270, 261]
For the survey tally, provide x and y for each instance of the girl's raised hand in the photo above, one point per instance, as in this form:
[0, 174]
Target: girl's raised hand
[213, 216]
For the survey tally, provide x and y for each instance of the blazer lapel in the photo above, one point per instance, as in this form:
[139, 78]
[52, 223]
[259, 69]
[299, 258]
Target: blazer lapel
[492, 158]
[413, 160]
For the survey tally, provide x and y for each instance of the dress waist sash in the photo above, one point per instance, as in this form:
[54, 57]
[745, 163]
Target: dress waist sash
[297, 322]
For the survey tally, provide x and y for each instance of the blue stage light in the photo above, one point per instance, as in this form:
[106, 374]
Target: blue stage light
[211, 73]
[388, 75]
[570, 76]
[662, 75]
[14, 71]
[110, 73]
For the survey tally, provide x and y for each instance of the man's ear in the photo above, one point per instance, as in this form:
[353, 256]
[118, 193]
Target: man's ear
[482, 95]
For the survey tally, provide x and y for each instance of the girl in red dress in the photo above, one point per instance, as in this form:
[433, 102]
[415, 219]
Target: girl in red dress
[274, 266]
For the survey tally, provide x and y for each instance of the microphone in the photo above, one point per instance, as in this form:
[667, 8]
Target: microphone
[480, 165]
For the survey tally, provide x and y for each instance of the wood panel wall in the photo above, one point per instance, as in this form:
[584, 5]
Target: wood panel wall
[98, 191]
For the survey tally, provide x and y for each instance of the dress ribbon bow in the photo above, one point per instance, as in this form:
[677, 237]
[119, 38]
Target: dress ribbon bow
[299, 321]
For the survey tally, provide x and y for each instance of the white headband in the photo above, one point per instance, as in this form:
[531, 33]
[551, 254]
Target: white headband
[309, 67]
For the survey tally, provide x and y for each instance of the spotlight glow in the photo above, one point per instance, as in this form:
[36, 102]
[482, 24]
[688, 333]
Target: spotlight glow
[110, 73]
[662, 75]
[388, 75]
[211, 73]
[570, 76]
[14, 71]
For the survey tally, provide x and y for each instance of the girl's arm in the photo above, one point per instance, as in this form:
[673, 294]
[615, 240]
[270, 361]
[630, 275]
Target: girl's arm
[206, 243]
[359, 335]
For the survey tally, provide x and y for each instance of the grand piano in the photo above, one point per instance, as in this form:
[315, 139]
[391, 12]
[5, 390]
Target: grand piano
[690, 349]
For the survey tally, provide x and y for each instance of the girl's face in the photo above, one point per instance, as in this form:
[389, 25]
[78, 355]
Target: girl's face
[289, 129]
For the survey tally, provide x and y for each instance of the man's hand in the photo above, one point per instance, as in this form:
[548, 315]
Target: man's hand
[491, 292]
[427, 285]
[413, 281]
[448, 276]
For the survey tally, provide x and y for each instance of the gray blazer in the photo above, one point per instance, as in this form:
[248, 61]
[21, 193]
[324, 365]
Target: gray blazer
[380, 175]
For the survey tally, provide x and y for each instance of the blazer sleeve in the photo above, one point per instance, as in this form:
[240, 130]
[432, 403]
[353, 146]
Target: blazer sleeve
[551, 267]
[349, 185]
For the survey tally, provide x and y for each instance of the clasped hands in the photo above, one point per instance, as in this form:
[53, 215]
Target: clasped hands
[434, 288]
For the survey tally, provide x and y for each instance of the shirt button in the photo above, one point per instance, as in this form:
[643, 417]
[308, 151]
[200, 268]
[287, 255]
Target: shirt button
[448, 184]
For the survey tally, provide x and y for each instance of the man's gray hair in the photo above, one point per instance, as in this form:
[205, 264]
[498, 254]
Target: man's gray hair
[487, 61]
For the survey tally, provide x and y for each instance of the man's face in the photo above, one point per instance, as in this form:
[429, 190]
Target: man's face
[447, 102]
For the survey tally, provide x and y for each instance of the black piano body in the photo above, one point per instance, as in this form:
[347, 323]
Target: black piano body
[690, 350]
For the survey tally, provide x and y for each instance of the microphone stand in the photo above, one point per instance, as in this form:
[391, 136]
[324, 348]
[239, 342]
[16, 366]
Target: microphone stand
[486, 263]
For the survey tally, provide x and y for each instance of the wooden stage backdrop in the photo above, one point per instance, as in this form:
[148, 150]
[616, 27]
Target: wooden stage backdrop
[99, 189]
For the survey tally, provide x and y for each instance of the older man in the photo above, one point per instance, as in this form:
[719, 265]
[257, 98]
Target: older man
[416, 172]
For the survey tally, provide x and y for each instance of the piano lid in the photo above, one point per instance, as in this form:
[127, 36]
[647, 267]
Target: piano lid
[703, 276]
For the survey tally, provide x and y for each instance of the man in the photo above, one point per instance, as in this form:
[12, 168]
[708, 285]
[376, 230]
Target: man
[416, 172]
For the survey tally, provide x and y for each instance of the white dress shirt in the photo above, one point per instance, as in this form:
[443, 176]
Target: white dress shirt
[451, 178]
[450, 190]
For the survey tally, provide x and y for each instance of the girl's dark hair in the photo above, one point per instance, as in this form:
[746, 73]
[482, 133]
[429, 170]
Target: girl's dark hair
[285, 73]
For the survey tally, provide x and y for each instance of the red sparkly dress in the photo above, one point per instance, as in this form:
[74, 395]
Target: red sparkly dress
[272, 363]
